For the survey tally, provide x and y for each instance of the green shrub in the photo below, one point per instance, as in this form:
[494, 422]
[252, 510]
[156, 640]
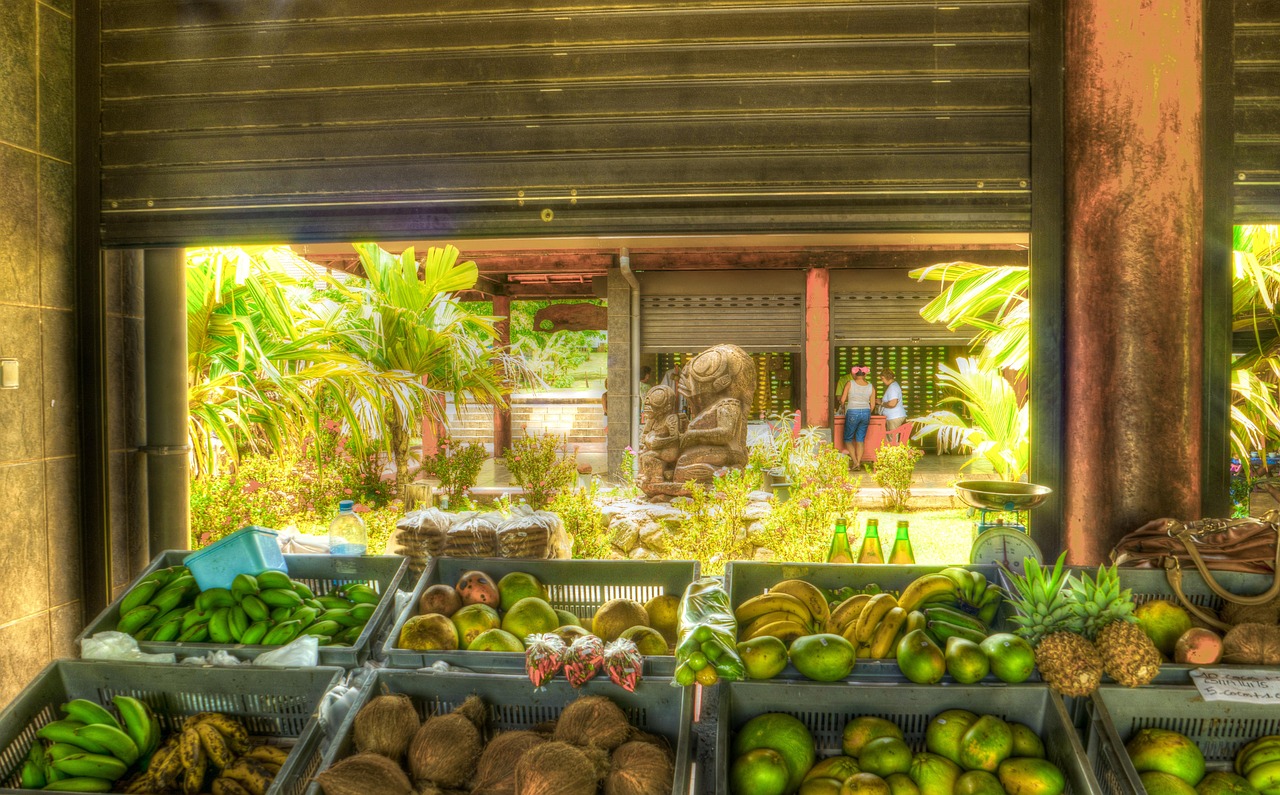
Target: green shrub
[712, 531]
[456, 467]
[800, 528]
[583, 520]
[541, 466]
[895, 469]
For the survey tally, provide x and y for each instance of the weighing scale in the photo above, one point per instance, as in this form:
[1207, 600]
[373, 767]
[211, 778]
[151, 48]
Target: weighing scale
[1000, 541]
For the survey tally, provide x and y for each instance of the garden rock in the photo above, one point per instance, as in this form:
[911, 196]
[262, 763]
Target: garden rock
[624, 533]
[760, 496]
[756, 510]
[757, 534]
[653, 536]
[640, 553]
[764, 554]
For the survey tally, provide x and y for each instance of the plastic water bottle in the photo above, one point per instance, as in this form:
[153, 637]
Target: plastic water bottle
[347, 533]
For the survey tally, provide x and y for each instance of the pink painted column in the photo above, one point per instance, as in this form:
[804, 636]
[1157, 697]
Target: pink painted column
[817, 347]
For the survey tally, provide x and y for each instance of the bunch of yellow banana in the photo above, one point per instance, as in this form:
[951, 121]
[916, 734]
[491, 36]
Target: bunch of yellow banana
[871, 622]
[210, 746]
[789, 610]
[1259, 762]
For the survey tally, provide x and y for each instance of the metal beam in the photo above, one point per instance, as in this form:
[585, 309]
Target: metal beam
[165, 343]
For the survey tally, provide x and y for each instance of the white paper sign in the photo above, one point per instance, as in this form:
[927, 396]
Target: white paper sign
[1255, 687]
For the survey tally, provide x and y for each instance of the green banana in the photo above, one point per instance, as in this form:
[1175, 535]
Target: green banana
[138, 618]
[194, 617]
[302, 590]
[92, 765]
[349, 636]
[118, 743]
[282, 633]
[331, 602]
[89, 712]
[139, 595]
[274, 579]
[255, 633]
[363, 612]
[60, 750]
[244, 585]
[956, 617]
[81, 784]
[343, 617]
[220, 626]
[255, 608]
[169, 599]
[316, 603]
[196, 634]
[362, 594]
[238, 622]
[987, 613]
[139, 722]
[942, 630]
[325, 628]
[34, 774]
[64, 731]
[168, 631]
[306, 615]
[280, 614]
[213, 599]
[164, 618]
[280, 597]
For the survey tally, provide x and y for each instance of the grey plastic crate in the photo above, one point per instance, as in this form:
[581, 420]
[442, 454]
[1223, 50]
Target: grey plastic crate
[745, 580]
[1219, 728]
[278, 704]
[579, 586]
[655, 707]
[826, 708]
[1150, 584]
[320, 573]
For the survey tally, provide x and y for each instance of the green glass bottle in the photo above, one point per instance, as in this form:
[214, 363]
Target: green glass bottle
[871, 551]
[902, 553]
[840, 551]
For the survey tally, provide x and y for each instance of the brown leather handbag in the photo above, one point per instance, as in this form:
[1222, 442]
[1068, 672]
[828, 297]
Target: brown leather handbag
[1208, 545]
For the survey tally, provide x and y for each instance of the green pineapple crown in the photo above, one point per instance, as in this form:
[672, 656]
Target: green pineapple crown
[1043, 601]
[1096, 603]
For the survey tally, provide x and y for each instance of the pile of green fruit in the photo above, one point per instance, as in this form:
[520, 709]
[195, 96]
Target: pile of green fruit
[967, 754]
[1170, 763]
[91, 749]
[267, 610]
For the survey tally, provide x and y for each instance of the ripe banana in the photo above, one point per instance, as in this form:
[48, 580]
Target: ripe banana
[244, 585]
[885, 638]
[1265, 775]
[785, 631]
[116, 741]
[83, 784]
[273, 579]
[140, 722]
[250, 775]
[214, 744]
[228, 786]
[847, 612]
[236, 734]
[922, 588]
[64, 731]
[876, 610]
[809, 594]
[768, 618]
[270, 754]
[772, 603]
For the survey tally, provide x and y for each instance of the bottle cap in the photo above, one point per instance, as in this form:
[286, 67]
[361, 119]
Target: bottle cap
[345, 505]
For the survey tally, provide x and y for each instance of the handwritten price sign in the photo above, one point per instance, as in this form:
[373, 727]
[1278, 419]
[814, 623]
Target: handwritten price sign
[1254, 687]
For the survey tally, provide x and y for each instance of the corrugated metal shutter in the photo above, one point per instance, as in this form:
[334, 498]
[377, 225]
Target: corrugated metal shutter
[1257, 111]
[677, 324]
[328, 119]
[887, 318]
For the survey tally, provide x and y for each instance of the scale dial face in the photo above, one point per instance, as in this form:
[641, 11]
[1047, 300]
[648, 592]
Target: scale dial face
[1004, 545]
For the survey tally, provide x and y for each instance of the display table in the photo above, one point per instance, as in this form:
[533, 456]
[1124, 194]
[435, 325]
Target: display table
[875, 435]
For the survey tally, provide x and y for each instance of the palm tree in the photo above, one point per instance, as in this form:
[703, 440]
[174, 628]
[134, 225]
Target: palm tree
[999, 430]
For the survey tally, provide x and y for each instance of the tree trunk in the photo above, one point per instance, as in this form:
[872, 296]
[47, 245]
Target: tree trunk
[400, 455]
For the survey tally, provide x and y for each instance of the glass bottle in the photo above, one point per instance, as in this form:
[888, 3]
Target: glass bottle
[902, 553]
[871, 551]
[347, 533]
[840, 551]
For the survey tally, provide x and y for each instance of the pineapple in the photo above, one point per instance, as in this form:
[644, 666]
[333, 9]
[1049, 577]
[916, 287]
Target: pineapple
[1105, 615]
[1047, 618]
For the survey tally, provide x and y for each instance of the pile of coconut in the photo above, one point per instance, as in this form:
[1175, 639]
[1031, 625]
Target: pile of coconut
[591, 748]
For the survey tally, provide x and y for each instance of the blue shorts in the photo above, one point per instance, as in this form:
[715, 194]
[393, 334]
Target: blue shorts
[856, 422]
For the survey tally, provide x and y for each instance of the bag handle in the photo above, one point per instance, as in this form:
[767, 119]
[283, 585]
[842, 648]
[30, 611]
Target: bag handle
[1173, 573]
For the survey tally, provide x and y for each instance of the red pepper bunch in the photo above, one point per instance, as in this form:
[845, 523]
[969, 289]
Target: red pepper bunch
[583, 660]
[543, 656]
[623, 662]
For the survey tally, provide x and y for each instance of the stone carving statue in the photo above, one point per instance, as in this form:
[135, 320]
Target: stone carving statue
[660, 437]
[718, 385]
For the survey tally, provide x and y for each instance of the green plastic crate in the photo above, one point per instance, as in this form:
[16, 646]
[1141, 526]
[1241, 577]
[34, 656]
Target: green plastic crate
[745, 580]
[579, 586]
[1219, 728]
[826, 708]
[277, 704]
[320, 573]
[655, 707]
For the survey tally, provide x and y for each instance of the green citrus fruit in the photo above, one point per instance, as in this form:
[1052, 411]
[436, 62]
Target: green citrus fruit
[933, 774]
[1164, 622]
[761, 771]
[1167, 752]
[1012, 658]
[1220, 782]
[837, 767]
[764, 657]
[865, 784]
[781, 733]
[1023, 776]
[884, 756]
[986, 744]
[495, 640]
[530, 616]
[966, 662]
[567, 619]
[978, 782]
[944, 732]
[920, 659]
[901, 784]
[1026, 742]
[516, 586]
[664, 615]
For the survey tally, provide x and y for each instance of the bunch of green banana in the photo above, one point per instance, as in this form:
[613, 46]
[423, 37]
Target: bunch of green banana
[210, 747]
[974, 595]
[267, 610]
[1259, 762]
[91, 749]
[942, 623]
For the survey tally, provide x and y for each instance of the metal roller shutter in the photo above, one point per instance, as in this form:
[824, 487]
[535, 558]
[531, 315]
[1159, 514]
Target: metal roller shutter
[887, 318]
[1257, 111]
[679, 323]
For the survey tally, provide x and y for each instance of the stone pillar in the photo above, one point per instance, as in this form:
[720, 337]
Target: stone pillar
[1134, 196]
[501, 414]
[618, 383]
[817, 347]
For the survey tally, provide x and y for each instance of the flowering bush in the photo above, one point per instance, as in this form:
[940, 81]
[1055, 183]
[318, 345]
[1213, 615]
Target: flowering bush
[712, 531]
[456, 467]
[583, 520]
[821, 490]
[1241, 488]
[542, 466]
[895, 468]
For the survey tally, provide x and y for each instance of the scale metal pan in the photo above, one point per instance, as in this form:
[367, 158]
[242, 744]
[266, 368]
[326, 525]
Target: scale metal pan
[1001, 495]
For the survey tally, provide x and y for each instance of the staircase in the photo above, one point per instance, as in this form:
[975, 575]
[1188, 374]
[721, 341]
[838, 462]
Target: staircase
[580, 418]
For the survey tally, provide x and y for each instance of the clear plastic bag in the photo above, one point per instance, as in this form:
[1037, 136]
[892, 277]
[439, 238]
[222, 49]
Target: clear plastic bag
[301, 653]
[421, 535]
[214, 659]
[707, 634]
[532, 534]
[119, 646]
[474, 537]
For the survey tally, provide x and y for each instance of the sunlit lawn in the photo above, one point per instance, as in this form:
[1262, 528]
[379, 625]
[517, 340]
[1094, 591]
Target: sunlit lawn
[939, 537]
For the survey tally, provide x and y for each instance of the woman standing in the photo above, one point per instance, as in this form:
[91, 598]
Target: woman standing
[891, 405]
[857, 398]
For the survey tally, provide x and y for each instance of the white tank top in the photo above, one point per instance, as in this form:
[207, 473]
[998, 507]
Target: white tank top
[859, 396]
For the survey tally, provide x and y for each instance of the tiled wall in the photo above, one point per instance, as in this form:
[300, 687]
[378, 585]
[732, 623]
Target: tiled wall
[40, 607]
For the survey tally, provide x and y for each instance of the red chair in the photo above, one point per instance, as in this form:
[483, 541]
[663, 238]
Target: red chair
[900, 434]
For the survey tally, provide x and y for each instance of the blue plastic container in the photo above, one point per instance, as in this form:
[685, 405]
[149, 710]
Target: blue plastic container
[249, 550]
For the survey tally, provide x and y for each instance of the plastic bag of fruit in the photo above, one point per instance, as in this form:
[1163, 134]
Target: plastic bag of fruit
[707, 632]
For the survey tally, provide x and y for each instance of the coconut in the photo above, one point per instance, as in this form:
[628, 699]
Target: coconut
[639, 768]
[556, 768]
[445, 751]
[547, 727]
[365, 773]
[655, 740]
[496, 773]
[474, 710]
[593, 720]
[1252, 644]
[386, 726]
[1265, 613]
